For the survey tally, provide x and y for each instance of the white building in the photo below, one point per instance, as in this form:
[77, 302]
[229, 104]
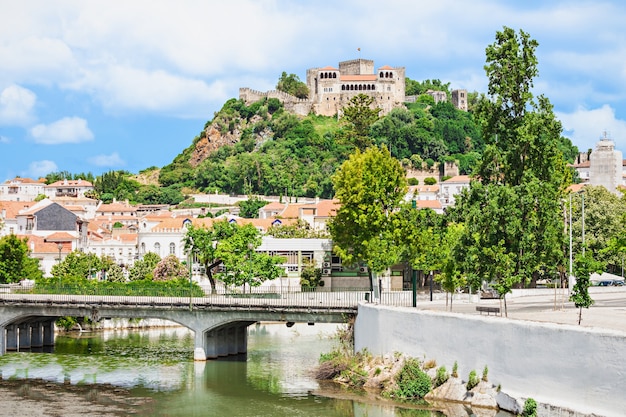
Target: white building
[606, 165]
[451, 188]
[21, 189]
[68, 188]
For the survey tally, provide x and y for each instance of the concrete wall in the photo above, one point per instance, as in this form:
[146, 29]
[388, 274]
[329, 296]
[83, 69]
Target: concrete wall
[583, 369]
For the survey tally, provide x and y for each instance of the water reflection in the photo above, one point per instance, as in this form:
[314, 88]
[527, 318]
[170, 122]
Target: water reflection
[156, 370]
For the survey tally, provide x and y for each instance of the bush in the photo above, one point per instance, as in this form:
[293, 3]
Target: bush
[413, 382]
[530, 408]
[472, 381]
[455, 370]
[430, 181]
[441, 377]
[485, 374]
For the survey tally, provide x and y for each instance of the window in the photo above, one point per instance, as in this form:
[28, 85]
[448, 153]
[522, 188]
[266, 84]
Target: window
[172, 249]
[157, 248]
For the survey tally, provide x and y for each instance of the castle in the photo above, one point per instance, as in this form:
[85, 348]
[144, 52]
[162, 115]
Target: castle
[330, 89]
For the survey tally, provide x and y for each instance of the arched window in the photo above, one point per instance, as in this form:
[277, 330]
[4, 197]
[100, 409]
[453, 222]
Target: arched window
[157, 248]
[380, 75]
[143, 247]
[360, 86]
[343, 87]
[172, 248]
[334, 75]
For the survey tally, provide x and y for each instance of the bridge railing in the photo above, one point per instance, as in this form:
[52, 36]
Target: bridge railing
[192, 297]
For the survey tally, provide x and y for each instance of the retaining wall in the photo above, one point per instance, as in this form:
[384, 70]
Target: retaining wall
[583, 369]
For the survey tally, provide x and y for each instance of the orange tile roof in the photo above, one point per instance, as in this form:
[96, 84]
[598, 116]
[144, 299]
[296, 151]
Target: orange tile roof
[21, 180]
[60, 237]
[432, 204]
[12, 208]
[38, 244]
[327, 208]
[75, 183]
[292, 211]
[274, 205]
[364, 77]
[574, 188]
[116, 207]
[329, 67]
[386, 67]
[458, 178]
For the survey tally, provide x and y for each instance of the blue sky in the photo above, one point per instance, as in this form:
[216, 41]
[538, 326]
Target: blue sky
[91, 86]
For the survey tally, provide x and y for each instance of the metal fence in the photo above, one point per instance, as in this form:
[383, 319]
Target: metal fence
[190, 298]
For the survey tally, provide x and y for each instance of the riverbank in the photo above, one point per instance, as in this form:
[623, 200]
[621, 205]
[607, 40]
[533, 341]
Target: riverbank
[542, 360]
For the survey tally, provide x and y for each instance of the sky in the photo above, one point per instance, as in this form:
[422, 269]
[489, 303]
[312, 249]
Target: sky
[93, 86]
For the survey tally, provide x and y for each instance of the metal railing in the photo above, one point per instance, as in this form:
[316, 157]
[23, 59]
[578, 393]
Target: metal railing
[224, 297]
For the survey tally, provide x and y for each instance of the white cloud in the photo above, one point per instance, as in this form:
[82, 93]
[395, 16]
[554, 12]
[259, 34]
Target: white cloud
[40, 169]
[4, 139]
[66, 130]
[16, 106]
[585, 127]
[112, 160]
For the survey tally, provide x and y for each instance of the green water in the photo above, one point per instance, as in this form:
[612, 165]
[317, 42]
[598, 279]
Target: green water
[152, 373]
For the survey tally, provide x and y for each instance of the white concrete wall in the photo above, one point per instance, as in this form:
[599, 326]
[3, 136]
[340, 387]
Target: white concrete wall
[582, 369]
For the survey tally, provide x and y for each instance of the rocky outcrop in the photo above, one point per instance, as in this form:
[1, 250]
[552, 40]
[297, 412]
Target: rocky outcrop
[215, 136]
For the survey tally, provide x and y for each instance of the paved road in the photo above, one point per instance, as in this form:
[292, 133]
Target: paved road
[608, 312]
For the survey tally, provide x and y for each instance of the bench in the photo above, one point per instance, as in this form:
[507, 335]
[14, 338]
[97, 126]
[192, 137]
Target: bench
[488, 310]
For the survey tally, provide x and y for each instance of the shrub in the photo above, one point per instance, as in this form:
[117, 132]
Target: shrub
[485, 373]
[455, 370]
[441, 377]
[413, 181]
[430, 181]
[530, 408]
[430, 364]
[472, 381]
[412, 381]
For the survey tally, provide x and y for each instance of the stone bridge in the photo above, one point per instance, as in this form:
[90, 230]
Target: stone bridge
[219, 321]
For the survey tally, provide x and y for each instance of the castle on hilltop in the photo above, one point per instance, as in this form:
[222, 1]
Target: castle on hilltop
[330, 89]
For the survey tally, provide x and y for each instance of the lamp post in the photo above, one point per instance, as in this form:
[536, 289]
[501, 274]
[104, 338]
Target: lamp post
[190, 273]
[59, 247]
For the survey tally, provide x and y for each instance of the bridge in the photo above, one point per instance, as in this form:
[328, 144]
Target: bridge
[219, 321]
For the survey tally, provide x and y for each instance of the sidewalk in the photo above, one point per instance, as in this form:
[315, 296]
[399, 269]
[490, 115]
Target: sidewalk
[608, 311]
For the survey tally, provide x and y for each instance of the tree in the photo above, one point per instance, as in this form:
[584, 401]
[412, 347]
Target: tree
[143, 269]
[170, 268]
[370, 187]
[584, 266]
[203, 242]
[15, 263]
[513, 215]
[360, 116]
[78, 266]
[291, 84]
[242, 264]
[310, 275]
[249, 209]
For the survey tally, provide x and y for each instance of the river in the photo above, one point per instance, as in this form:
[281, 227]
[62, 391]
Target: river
[152, 373]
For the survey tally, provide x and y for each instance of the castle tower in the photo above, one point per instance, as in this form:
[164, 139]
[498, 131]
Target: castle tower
[459, 99]
[606, 165]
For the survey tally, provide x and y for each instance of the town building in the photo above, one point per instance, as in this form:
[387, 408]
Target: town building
[68, 188]
[606, 165]
[21, 189]
[452, 187]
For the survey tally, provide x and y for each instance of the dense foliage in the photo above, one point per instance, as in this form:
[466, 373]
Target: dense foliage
[15, 263]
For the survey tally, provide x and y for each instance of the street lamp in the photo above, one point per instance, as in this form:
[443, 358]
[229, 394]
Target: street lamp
[190, 272]
[59, 247]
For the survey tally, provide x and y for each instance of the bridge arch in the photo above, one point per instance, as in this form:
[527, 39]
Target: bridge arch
[219, 330]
